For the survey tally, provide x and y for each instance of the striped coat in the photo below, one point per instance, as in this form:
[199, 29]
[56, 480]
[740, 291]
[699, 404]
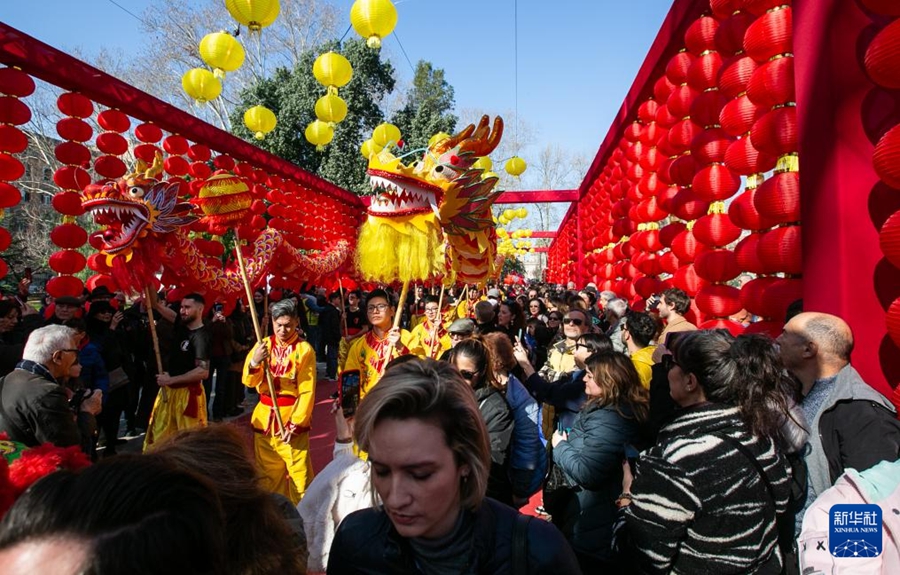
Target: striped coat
[699, 504]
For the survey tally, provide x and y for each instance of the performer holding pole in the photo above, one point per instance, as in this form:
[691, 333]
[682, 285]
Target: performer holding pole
[429, 338]
[150, 304]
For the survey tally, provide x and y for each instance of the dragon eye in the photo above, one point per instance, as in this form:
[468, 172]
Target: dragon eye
[136, 192]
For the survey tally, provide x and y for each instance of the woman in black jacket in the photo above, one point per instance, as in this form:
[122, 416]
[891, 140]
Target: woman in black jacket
[473, 360]
[430, 459]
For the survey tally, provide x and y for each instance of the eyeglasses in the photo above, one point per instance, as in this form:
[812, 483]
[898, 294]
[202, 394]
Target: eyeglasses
[553, 318]
[668, 362]
[468, 375]
[572, 320]
[377, 307]
[431, 308]
[582, 346]
[458, 335]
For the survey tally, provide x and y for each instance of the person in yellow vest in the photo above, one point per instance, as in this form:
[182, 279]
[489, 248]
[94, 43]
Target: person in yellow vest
[283, 458]
[430, 338]
[370, 353]
[640, 329]
[417, 308]
[466, 307]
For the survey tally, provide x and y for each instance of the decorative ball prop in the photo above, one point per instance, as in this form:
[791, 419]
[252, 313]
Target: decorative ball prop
[224, 199]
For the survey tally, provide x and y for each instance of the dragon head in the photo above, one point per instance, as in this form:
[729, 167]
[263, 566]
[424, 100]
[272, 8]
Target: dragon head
[403, 190]
[135, 205]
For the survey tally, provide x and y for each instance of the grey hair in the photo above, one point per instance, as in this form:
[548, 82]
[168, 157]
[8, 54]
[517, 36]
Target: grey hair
[44, 342]
[617, 307]
[609, 295]
[283, 308]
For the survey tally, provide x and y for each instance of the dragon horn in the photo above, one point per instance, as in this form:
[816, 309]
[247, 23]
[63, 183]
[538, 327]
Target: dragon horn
[485, 140]
[449, 143]
[155, 169]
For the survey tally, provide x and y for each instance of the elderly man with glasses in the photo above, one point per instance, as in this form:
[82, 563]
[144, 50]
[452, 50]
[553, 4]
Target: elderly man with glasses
[34, 407]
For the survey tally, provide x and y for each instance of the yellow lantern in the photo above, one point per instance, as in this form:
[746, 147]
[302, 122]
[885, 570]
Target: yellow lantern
[254, 14]
[483, 163]
[319, 133]
[437, 138]
[368, 148]
[503, 219]
[515, 166]
[259, 120]
[201, 85]
[373, 20]
[331, 108]
[509, 214]
[487, 175]
[332, 70]
[522, 213]
[385, 134]
[222, 52]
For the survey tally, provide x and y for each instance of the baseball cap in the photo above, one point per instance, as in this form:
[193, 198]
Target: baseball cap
[493, 292]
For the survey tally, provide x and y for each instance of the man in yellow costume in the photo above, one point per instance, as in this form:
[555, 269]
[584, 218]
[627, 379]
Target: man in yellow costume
[181, 403]
[430, 337]
[283, 458]
[371, 352]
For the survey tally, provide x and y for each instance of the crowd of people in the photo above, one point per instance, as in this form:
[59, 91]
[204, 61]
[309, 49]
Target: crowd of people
[635, 441]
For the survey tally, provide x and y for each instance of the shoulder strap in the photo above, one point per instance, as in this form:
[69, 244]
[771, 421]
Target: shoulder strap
[520, 544]
[746, 452]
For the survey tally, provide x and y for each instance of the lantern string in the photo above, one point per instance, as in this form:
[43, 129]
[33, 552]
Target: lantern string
[516, 65]
[411, 67]
[347, 31]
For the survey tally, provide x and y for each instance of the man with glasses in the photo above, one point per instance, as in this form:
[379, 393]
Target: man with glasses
[430, 338]
[34, 408]
[372, 352]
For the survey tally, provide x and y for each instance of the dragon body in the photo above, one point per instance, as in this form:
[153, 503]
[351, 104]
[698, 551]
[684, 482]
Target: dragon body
[432, 218]
[146, 231]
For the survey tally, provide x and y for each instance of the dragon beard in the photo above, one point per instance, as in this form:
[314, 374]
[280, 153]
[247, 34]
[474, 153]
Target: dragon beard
[400, 247]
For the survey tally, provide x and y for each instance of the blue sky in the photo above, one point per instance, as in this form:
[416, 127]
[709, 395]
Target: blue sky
[576, 58]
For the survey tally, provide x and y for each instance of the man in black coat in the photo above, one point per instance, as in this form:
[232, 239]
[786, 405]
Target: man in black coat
[34, 407]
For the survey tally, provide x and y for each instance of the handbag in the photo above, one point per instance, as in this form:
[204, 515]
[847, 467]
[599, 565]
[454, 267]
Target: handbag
[557, 492]
[117, 378]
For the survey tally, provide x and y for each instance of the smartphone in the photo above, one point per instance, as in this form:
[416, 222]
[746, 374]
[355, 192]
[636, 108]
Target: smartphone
[632, 455]
[349, 392]
[218, 307]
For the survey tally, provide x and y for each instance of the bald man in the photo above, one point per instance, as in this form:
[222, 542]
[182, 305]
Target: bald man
[851, 424]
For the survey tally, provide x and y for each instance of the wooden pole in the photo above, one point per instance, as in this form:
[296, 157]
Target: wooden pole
[436, 329]
[150, 299]
[397, 315]
[342, 310]
[259, 336]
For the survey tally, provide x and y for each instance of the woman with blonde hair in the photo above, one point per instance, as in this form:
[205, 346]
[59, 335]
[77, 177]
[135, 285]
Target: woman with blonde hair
[591, 454]
[430, 457]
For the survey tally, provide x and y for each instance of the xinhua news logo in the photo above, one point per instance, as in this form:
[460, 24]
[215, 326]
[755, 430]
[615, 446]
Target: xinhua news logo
[854, 530]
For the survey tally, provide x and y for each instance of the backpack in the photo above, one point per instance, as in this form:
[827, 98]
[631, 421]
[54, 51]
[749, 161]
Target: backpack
[528, 461]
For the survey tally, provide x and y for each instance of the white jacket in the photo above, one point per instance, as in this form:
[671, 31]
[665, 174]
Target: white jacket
[341, 488]
[853, 487]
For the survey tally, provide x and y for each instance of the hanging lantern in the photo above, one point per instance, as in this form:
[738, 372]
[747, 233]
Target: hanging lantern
[331, 108]
[201, 85]
[332, 70]
[385, 134]
[886, 157]
[254, 14]
[260, 120]
[482, 163]
[437, 138]
[319, 134]
[515, 166]
[373, 20]
[222, 52]
[368, 148]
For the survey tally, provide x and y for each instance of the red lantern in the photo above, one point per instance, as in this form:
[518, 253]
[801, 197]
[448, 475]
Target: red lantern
[746, 254]
[679, 102]
[76, 105]
[199, 153]
[148, 133]
[68, 236]
[716, 230]
[889, 239]
[730, 35]
[709, 146]
[886, 7]
[776, 132]
[175, 145]
[71, 178]
[779, 250]
[886, 158]
[700, 35]
[738, 116]
[773, 83]
[678, 66]
[176, 165]
[681, 171]
[67, 262]
[688, 206]
[686, 247]
[724, 8]
[15, 82]
[704, 72]
[113, 121]
[717, 266]
[73, 153]
[892, 321]
[11, 169]
[716, 182]
[770, 35]
[68, 203]
[669, 263]
[110, 167]
[778, 198]
[62, 286]
[753, 297]
[719, 300]
[9, 196]
[706, 107]
[12, 139]
[743, 212]
[74, 129]
[735, 74]
[781, 294]
[686, 279]
[103, 280]
[744, 159]
[647, 286]
[146, 152]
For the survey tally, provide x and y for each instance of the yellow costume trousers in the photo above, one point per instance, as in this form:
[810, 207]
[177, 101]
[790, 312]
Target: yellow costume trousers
[168, 416]
[286, 467]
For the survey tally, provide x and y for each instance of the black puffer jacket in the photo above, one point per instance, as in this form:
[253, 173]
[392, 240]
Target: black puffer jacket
[35, 410]
[500, 423]
[366, 542]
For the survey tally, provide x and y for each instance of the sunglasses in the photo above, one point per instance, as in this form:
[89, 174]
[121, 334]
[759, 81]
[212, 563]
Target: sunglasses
[582, 346]
[572, 321]
[668, 362]
[553, 318]
[468, 375]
